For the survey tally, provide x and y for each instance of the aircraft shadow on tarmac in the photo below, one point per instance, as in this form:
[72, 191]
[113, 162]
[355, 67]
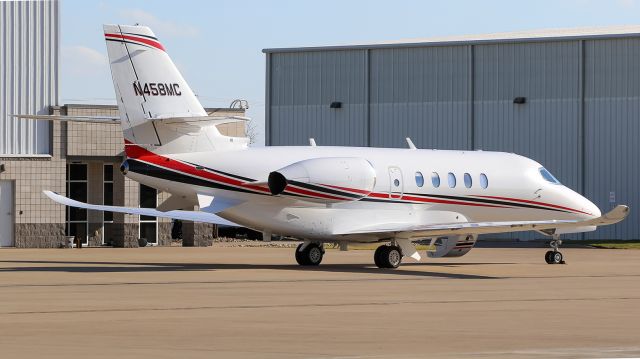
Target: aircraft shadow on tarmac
[130, 267]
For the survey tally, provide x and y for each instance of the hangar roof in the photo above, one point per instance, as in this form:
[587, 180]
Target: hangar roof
[503, 37]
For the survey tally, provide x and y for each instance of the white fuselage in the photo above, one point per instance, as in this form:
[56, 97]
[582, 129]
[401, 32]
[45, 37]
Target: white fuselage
[516, 190]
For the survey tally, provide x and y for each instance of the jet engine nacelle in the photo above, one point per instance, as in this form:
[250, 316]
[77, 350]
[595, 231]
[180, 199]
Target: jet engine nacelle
[329, 179]
[454, 246]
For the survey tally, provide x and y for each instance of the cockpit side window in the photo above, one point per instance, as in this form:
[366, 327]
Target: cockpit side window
[548, 176]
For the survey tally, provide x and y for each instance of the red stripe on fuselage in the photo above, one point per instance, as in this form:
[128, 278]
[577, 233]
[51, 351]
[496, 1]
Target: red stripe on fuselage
[306, 192]
[139, 153]
[355, 190]
[445, 201]
[143, 40]
[535, 202]
[136, 152]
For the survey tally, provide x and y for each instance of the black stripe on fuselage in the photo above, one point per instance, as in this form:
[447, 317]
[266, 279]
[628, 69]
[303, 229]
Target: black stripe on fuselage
[170, 175]
[487, 201]
[160, 172]
[246, 179]
[324, 190]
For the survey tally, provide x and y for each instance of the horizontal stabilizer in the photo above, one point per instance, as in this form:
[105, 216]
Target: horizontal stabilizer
[91, 119]
[181, 215]
[215, 120]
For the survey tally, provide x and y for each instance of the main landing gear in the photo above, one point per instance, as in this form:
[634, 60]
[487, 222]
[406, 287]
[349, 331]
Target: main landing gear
[388, 256]
[554, 256]
[309, 253]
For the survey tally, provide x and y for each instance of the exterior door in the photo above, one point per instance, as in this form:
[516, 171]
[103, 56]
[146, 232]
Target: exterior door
[6, 214]
[395, 182]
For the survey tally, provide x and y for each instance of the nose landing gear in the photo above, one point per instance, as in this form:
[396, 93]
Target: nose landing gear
[554, 256]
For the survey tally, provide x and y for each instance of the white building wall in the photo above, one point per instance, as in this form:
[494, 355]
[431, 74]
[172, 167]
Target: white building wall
[29, 61]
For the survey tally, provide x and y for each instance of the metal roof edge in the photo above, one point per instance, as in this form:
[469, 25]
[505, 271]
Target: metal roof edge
[458, 42]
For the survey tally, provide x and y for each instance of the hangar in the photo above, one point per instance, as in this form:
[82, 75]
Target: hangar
[569, 99]
[80, 160]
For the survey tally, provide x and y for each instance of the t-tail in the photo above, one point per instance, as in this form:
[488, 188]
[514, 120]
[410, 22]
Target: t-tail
[158, 110]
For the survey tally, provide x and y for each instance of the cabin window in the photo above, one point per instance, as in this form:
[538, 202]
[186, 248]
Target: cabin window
[548, 176]
[452, 180]
[435, 179]
[419, 179]
[484, 181]
[396, 182]
[467, 180]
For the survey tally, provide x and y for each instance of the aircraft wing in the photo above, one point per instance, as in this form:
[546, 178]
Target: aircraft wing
[203, 217]
[432, 230]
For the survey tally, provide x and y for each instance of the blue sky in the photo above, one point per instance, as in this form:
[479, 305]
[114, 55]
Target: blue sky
[218, 44]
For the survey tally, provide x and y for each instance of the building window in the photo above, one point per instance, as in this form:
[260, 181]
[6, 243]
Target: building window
[484, 181]
[452, 180]
[419, 179]
[77, 224]
[107, 200]
[148, 224]
[435, 179]
[467, 180]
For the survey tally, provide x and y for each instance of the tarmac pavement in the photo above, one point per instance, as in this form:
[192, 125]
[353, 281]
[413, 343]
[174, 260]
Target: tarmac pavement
[224, 302]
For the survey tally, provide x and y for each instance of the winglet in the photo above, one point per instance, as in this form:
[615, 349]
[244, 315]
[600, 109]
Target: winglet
[615, 215]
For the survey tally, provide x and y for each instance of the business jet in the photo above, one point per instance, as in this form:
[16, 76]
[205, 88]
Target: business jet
[321, 194]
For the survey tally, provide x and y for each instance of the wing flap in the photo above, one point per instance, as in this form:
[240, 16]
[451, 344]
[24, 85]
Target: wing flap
[175, 214]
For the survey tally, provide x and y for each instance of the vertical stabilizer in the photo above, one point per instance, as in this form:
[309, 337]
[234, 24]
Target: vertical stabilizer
[149, 87]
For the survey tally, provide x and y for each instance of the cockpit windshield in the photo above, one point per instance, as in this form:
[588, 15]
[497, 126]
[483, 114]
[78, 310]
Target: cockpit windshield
[548, 176]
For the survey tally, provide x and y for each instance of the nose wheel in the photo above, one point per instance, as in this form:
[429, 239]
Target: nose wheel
[554, 256]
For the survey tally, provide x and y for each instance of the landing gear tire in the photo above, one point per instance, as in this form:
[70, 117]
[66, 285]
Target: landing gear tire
[311, 255]
[378, 255]
[554, 256]
[548, 257]
[388, 257]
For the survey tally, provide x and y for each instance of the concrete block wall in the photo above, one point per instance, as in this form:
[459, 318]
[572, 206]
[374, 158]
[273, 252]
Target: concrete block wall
[39, 222]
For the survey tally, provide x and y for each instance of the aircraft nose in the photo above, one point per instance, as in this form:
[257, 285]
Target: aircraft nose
[590, 208]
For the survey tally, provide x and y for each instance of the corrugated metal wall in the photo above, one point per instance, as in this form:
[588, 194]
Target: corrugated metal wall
[612, 131]
[29, 47]
[580, 119]
[422, 93]
[302, 87]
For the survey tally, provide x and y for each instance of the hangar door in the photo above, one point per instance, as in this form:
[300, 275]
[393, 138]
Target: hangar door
[6, 214]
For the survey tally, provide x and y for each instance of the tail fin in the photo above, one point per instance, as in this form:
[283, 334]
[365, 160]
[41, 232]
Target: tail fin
[148, 88]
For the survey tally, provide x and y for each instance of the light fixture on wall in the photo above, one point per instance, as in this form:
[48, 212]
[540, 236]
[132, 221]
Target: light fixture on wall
[336, 104]
[520, 100]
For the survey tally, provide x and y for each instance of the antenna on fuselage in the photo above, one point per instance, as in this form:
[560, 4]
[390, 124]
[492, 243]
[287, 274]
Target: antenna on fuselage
[312, 142]
[411, 145]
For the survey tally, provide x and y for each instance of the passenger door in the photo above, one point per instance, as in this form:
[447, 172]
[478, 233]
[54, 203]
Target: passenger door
[395, 182]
